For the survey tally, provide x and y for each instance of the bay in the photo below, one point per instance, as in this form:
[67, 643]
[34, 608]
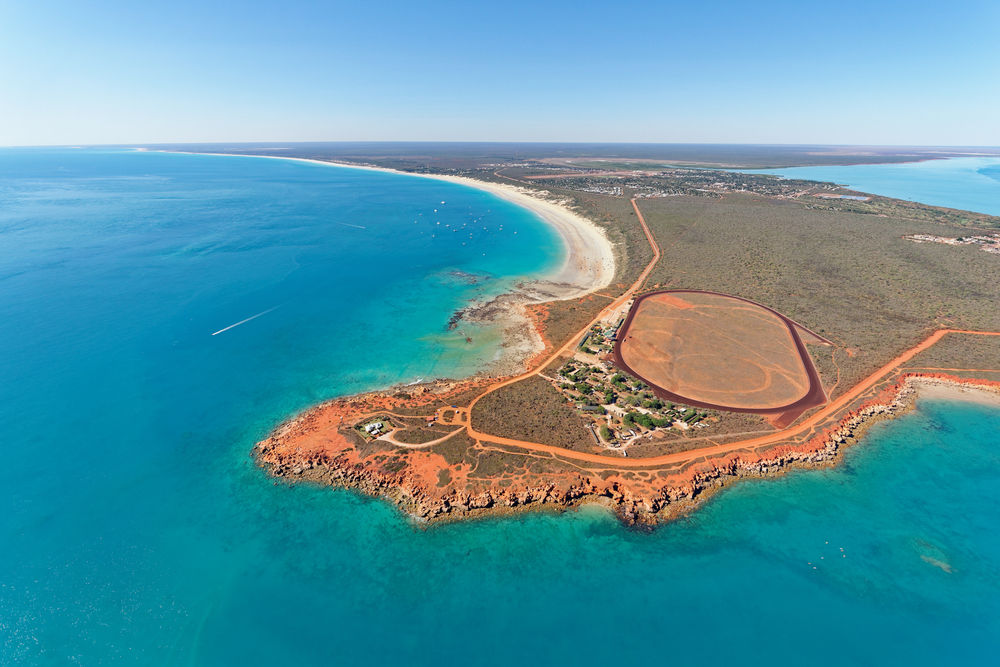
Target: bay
[967, 184]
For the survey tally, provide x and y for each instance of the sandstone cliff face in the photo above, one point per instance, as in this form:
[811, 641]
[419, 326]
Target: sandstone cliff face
[293, 453]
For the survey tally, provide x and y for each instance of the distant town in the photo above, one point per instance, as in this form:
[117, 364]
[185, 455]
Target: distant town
[988, 242]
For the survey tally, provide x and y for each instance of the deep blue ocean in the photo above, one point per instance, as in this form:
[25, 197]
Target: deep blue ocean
[135, 530]
[968, 184]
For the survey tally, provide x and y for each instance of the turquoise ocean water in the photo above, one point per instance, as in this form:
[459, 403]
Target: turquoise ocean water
[969, 184]
[136, 531]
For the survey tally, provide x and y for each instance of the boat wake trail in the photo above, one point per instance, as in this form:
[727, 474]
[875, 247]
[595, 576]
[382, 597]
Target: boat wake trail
[247, 320]
[345, 224]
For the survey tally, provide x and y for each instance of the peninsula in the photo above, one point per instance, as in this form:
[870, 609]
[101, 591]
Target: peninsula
[580, 416]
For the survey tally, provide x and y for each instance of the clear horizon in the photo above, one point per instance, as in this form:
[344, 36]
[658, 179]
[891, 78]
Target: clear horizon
[275, 145]
[113, 73]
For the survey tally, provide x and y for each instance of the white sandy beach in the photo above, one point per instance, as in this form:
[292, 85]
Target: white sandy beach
[941, 388]
[589, 264]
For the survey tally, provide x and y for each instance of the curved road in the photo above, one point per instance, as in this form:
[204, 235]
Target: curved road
[830, 410]
[818, 418]
[826, 413]
[617, 303]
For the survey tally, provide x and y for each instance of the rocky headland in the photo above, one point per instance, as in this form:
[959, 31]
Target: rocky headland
[462, 478]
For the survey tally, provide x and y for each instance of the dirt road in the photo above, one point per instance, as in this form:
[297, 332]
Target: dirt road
[616, 304]
[681, 457]
[826, 413]
[463, 416]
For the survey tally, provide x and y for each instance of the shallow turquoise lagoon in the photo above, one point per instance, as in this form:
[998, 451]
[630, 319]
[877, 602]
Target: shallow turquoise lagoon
[136, 530]
[968, 184]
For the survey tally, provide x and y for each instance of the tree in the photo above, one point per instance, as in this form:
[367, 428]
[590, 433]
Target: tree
[605, 432]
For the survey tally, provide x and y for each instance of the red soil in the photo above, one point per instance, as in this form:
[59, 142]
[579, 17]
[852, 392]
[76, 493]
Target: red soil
[714, 349]
[312, 446]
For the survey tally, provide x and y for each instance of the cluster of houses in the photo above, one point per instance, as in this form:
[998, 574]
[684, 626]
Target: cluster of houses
[990, 242]
[375, 428]
[622, 408]
[601, 338]
[610, 190]
[823, 195]
[680, 181]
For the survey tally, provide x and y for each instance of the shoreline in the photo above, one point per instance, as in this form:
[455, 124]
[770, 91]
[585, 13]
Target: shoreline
[426, 484]
[588, 266]
[827, 449]
[636, 502]
[959, 391]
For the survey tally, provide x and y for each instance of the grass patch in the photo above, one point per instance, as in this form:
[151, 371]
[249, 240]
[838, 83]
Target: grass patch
[534, 411]
[420, 435]
[457, 449]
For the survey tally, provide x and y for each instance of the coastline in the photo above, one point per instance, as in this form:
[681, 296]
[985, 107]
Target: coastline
[417, 488]
[588, 266]
[428, 485]
[975, 392]
[827, 449]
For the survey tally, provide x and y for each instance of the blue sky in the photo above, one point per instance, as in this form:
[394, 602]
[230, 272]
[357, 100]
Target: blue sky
[903, 73]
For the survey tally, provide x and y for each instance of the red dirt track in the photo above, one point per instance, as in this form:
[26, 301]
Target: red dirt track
[321, 428]
[806, 427]
[719, 352]
[798, 433]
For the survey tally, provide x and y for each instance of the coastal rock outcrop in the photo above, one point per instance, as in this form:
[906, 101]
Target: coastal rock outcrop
[636, 501]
